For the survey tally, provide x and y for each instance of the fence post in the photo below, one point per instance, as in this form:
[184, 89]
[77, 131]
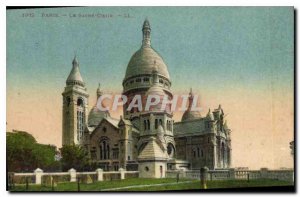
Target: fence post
[100, 174]
[183, 173]
[78, 184]
[231, 173]
[264, 173]
[26, 181]
[122, 172]
[72, 172]
[203, 177]
[52, 183]
[38, 176]
[10, 180]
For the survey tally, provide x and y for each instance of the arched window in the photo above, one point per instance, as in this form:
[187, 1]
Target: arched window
[223, 154]
[68, 100]
[108, 156]
[101, 155]
[104, 150]
[138, 80]
[80, 102]
[80, 118]
[145, 124]
[171, 150]
[156, 123]
[93, 153]
[148, 122]
[160, 122]
[167, 125]
[198, 151]
[129, 151]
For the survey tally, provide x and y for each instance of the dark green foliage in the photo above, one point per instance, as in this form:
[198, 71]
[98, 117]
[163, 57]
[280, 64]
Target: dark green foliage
[73, 156]
[25, 154]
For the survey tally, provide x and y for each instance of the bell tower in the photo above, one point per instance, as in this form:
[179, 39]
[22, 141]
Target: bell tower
[75, 107]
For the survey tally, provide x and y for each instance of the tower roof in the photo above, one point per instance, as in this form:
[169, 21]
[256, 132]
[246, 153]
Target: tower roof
[152, 151]
[75, 75]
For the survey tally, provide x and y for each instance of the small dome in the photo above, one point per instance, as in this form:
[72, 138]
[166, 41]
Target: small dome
[142, 63]
[190, 115]
[96, 115]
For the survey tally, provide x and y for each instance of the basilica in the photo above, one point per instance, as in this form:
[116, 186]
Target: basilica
[148, 141]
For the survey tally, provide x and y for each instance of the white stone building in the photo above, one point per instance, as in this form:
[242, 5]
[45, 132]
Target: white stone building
[149, 141]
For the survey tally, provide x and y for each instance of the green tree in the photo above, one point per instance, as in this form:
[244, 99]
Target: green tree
[25, 154]
[74, 156]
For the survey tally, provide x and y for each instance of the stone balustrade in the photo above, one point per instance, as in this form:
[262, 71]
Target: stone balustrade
[230, 174]
[100, 175]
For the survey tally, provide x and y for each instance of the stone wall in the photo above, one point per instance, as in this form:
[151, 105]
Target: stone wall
[152, 169]
[232, 174]
[39, 177]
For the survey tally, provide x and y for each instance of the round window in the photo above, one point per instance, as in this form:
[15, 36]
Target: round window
[146, 168]
[170, 149]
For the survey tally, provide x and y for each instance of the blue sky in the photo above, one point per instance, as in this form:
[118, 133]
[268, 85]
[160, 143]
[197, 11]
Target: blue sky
[212, 47]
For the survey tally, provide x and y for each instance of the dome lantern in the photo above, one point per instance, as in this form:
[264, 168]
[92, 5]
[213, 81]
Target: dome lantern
[146, 33]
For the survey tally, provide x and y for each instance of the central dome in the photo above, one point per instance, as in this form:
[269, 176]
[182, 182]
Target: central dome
[142, 62]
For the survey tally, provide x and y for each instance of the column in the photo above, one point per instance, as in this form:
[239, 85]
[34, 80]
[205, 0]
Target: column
[100, 174]
[122, 172]
[38, 176]
[72, 172]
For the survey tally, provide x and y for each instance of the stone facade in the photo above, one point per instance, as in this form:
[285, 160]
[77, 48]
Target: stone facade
[148, 141]
[204, 141]
[75, 107]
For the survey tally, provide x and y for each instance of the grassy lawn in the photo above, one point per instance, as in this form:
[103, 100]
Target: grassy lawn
[194, 184]
[215, 185]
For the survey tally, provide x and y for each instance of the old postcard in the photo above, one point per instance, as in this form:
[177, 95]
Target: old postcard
[150, 99]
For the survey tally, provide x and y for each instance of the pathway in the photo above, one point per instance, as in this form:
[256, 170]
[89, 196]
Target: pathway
[139, 186]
